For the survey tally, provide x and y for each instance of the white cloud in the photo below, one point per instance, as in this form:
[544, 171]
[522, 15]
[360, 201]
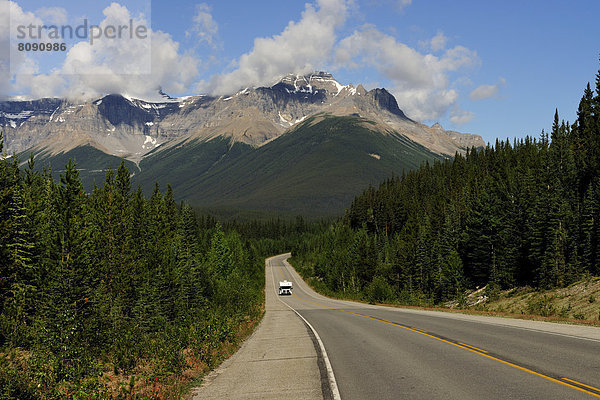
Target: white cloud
[205, 28]
[424, 84]
[41, 85]
[12, 61]
[438, 42]
[302, 47]
[461, 117]
[54, 15]
[420, 81]
[483, 92]
[130, 66]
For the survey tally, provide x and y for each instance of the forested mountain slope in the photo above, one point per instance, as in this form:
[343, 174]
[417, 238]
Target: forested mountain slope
[314, 169]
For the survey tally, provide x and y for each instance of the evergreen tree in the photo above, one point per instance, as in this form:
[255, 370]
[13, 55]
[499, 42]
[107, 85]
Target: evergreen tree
[219, 257]
[18, 273]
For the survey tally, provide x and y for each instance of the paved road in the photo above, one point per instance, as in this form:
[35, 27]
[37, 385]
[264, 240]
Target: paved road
[279, 361]
[388, 353]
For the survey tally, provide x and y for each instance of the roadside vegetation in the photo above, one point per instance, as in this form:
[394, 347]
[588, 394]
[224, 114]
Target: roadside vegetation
[512, 215]
[578, 302]
[113, 295]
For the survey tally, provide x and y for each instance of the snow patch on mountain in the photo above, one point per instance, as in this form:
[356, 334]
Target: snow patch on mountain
[20, 115]
[253, 116]
[284, 121]
[151, 140]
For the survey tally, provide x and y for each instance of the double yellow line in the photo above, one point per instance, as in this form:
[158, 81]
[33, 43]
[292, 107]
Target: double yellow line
[591, 390]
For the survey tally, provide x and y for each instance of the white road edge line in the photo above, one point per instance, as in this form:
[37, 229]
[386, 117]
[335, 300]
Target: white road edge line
[442, 314]
[335, 392]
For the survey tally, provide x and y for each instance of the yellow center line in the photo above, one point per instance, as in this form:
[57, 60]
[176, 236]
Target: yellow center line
[473, 347]
[465, 347]
[581, 384]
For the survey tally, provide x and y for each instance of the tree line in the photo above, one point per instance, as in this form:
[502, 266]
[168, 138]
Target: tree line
[111, 281]
[511, 214]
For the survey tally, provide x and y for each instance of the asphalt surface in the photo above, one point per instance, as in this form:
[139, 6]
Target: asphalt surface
[381, 352]
[280, 360]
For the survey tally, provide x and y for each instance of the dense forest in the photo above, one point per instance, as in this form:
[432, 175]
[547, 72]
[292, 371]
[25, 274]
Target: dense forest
[99, 286]
[512, 214]
[110, 294]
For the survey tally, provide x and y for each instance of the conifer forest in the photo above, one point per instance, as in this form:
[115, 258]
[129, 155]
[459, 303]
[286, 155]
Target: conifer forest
[113, 284]
[521, 212]
[113, 294]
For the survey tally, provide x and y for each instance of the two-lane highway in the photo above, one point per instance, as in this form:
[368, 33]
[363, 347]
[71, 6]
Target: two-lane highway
[390, 353]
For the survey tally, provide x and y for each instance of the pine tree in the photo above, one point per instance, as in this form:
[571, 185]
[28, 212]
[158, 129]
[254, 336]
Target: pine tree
[123, 242]
[590, 229]
[451, 273]
[192, 274]
[582, 143]
[69, 308]
[219, 257]
[18, 275]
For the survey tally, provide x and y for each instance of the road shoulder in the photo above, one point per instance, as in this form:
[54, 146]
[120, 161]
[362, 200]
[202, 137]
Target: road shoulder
[279, 360]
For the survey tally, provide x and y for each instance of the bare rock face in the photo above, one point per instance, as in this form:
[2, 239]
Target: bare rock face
[131, 128]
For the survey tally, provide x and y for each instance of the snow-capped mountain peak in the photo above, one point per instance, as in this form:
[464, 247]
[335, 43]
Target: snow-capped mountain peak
[126, 126]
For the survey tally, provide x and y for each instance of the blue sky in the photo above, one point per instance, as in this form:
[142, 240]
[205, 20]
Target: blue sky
[496, 69]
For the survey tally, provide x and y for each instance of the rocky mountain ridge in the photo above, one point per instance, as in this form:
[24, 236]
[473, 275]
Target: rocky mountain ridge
[127, 127]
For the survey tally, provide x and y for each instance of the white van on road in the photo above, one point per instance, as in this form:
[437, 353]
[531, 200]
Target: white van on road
[285, 288]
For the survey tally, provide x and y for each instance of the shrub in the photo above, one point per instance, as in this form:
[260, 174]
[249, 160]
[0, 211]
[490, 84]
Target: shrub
[379, 290]
[579, 315]
[541, 306]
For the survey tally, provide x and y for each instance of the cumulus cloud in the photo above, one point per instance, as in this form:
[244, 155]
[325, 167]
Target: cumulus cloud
[128, 65]
[42, 85]
[461, 117]
[483, 92]
[12, 61]
[421, 82]
[436, 43]
[302, 47]
[424, 82]
[205, 28]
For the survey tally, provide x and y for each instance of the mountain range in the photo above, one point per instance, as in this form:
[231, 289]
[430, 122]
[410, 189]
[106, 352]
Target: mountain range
[305, 144]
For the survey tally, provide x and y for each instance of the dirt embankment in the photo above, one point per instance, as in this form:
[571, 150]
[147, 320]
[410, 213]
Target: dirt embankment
[580, 302]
